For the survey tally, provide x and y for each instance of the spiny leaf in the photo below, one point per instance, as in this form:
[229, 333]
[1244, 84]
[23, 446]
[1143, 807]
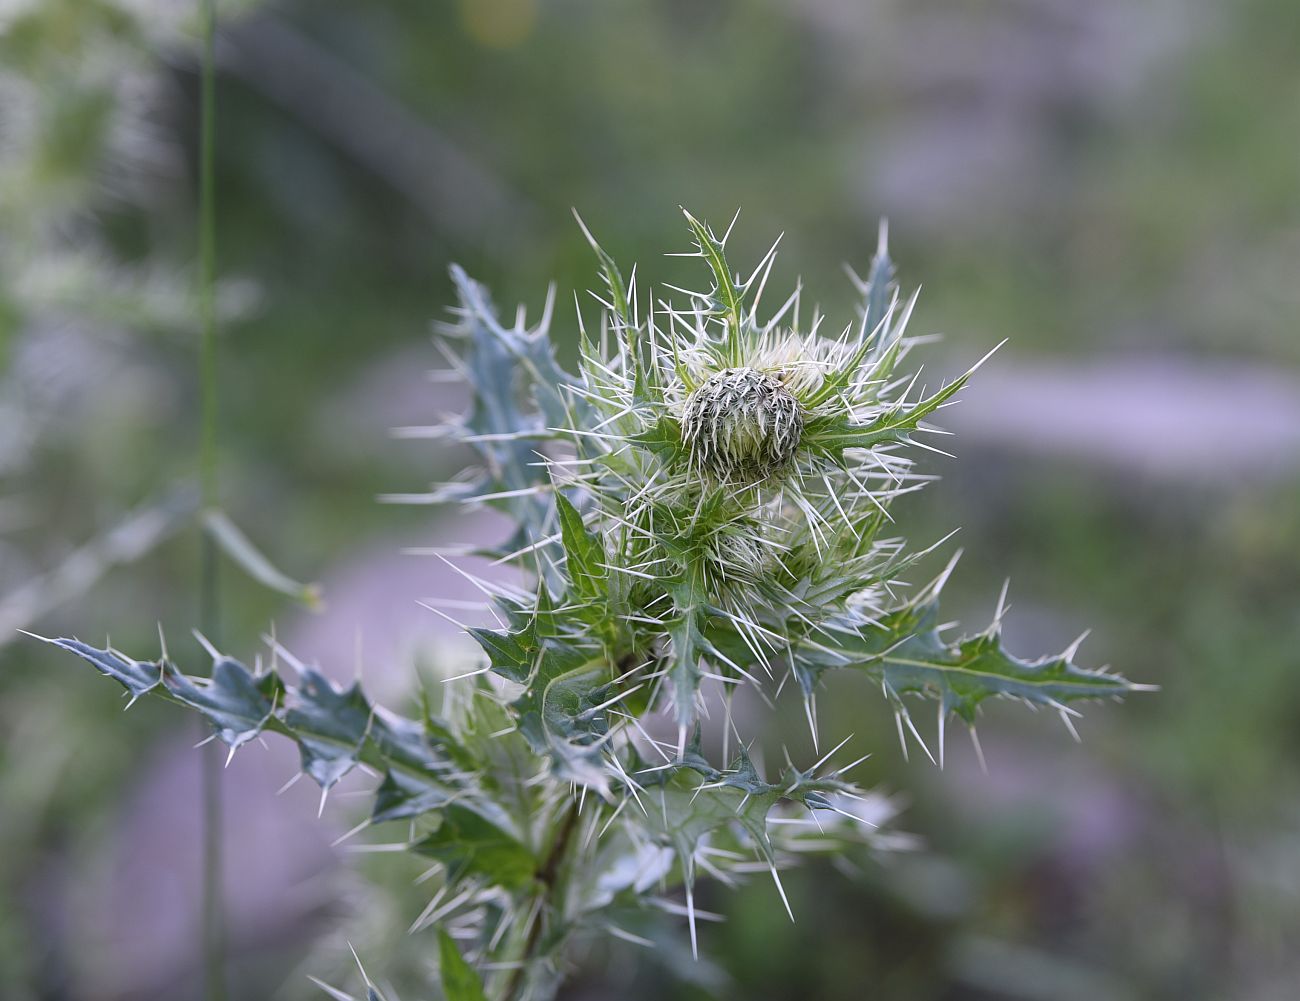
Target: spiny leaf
[583, 551]
[609, 270]
[511, 654]
[423, 764]
[137, 677]
[556, 659]
[529, 350]
[468, 844]
[879, 286]
[497, 360]
[331, 727]
[459, 981]
[624, 321]
[685, 637]
[558, 713]
[403, 795]
[726, 292]
[908, 655]
[235, 702]
[563, 685]
[663, 438]
[832, 435]
[738, 795]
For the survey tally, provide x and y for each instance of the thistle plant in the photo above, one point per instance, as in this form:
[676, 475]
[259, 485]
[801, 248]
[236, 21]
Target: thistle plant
[702, 509]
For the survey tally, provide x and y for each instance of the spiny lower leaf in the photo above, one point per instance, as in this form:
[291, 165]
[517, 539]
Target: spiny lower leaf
[331, 724]
[334, 729]
[233, 700]
[137, 677]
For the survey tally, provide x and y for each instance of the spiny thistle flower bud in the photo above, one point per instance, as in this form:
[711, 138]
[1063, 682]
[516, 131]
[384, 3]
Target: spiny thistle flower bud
[742, 424]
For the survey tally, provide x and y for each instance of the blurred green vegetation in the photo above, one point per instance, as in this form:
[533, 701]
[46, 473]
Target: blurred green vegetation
[1092, 181]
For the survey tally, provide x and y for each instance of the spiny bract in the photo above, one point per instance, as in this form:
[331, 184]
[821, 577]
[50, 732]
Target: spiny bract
[742, 424]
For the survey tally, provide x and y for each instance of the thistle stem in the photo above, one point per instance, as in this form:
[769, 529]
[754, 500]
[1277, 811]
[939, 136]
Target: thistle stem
[548, 874]
[213, 923]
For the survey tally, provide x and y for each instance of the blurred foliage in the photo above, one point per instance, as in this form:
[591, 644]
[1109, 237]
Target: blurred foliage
[1085, 179]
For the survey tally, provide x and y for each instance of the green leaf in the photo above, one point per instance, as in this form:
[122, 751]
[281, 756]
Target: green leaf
[907, 655]
[556, 660]
[663, 438]
[564, 683]
[583, 551]
[686, 639]
[506, 351]
[510, 654]
[330, 726]
[137, 677]
[505, 365]
[728, 295]
[233, 700]
[468, 844]
[833, 434]
[459, 981]
[558, 713]
[403, 795]
[879, 287]
[425, 765]
[697, 807]
[613, 277]
[881, 335]
[621, 308]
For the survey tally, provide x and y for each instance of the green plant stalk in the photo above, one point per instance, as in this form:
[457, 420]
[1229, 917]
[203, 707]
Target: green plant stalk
[549, 877]
[213, 923]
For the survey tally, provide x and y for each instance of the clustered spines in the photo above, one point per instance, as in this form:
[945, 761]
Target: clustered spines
[742, 425]
[733, 476]
[718, 457]
[551, 800]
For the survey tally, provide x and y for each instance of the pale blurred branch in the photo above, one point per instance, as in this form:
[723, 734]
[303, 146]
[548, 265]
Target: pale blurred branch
[135, 535]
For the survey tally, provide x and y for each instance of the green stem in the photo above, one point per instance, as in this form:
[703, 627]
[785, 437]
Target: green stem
[548, 875]
[213, 946]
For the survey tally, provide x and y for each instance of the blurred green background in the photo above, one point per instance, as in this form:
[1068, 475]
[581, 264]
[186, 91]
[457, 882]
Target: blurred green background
[1113, 187]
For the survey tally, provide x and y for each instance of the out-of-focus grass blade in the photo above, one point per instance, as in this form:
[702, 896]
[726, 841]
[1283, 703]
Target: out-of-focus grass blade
[239, 548]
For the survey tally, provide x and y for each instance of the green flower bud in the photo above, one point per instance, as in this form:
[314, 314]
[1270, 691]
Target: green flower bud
[742, 424]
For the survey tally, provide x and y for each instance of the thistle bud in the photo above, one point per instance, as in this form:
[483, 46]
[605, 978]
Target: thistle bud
[742, 424]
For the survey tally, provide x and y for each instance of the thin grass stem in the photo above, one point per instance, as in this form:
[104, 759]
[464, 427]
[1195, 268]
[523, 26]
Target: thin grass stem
[213, 923]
